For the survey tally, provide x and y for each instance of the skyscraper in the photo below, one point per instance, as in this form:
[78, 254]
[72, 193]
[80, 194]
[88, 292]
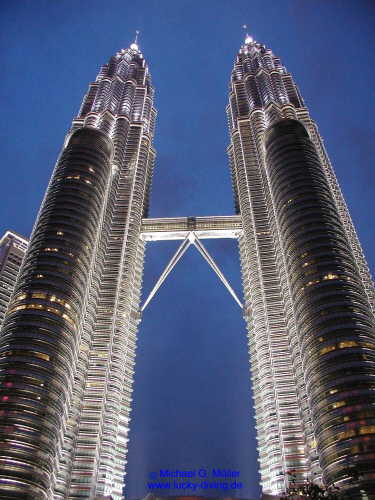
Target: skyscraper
[308, 293]
[12, 250]
[68, 340]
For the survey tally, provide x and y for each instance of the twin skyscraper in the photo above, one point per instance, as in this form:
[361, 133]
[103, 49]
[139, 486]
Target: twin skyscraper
[67, 345]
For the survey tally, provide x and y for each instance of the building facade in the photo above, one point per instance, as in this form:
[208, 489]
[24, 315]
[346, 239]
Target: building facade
[12, 250]
[67, 345]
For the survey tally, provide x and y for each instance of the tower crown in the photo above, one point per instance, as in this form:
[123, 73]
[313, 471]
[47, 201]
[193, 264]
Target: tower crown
[133, 52]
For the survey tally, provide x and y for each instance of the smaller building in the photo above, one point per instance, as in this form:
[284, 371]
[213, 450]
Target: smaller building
[12, 250]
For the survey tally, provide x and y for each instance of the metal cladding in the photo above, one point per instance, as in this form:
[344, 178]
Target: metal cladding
[308, 292]
[68, 341]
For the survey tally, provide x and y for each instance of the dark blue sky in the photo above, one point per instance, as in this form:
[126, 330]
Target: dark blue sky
[192, 392]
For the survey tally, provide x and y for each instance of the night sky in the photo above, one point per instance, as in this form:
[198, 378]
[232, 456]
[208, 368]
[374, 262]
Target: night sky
[192, 405]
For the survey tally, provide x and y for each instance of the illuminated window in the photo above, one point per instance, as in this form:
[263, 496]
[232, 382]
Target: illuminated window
[327, 349]
[347, 343]
[338, 404]
[17, 308]
[65, 316]
[330, 276]
[53, 310]
[41, 355]
[310, 283]
[346, 434]
[367, 429]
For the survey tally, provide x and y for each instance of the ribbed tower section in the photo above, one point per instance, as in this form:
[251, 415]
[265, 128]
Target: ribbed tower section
[68, 343]
[309, 417]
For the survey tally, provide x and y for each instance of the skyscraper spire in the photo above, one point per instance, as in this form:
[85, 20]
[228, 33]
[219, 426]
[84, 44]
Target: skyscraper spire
[248, 38]
[134, 45]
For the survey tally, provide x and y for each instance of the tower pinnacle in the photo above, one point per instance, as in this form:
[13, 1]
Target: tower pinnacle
[248, 38]
[134, 45]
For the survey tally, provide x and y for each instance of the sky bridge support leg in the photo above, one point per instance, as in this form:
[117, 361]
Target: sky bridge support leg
[191, 239]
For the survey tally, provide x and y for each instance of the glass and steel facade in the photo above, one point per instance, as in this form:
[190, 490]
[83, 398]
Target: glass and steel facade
[308, 293]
